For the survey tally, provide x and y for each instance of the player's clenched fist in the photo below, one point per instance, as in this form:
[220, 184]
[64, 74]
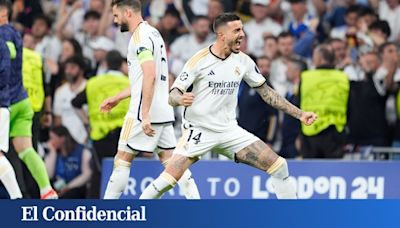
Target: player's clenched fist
[187, 99]
[308, 118]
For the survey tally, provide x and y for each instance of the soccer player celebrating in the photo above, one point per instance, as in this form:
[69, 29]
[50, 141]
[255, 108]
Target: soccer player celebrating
[21, 109]
[148, 123]
[213, 76]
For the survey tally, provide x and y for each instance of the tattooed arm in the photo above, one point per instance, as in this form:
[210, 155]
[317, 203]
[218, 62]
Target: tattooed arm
[177, 98]
[271, 97]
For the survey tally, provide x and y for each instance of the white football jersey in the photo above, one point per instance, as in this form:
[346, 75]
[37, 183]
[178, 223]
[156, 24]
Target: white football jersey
[215, 84]
[147, 37]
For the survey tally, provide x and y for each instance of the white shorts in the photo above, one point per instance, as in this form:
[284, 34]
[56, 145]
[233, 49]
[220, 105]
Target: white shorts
[197, 141]
[134, 140]
[4, 129]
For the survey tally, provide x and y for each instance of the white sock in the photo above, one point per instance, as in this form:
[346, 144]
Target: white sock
[284, 187]
[188, 186]
[7, 176]
[118, 180]
[159, 186]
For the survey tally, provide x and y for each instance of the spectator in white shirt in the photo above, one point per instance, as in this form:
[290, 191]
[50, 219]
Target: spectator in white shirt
[271, 47]
[389, 10]
[350, 18]
[101, 46]
[89, 33]
[259, 26]
[184, 47]
[278, 77]
[64, 113]
[70, 18]
[47, 45]
[342, 53]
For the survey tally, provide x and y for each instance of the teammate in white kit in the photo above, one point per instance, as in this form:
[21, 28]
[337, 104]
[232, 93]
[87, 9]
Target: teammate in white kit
[213, 76]
[148, 123]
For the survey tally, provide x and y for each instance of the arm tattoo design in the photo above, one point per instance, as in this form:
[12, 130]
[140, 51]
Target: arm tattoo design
[251, 157]
[174, 97]
[271, 97]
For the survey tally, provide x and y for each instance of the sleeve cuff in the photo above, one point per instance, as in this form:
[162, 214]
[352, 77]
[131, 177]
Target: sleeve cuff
[259, 85]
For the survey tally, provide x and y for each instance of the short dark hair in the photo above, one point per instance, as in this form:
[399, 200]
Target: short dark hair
[223, 19]
[44, 18]
[382, 26]
[366, 10]
[332, 40]
[114, 60]
[284, 35]
[7, 4]
[300, 64]
[264, 57]
[199, 17]
[91, 14]
[78, 60]
[62, 131]
[172, 12]
[133, 4]
[297, 1]
[353, 9]
[76, 45]
[270, 37]
[326, 52]
[382, 48]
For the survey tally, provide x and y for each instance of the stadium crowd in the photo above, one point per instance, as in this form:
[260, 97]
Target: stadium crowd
[339, 58]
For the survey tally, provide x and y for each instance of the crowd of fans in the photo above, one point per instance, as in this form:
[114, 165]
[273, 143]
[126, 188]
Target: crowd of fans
[77, 40]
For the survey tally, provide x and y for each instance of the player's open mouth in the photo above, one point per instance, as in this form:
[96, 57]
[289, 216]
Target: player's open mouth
[238, 42]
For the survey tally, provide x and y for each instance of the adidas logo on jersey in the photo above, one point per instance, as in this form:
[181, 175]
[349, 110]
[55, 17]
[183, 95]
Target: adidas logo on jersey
[211, 73]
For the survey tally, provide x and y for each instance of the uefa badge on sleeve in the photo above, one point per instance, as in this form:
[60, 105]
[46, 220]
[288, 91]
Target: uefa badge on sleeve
[183, 76]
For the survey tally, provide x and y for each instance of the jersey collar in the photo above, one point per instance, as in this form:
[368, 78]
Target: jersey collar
[209, 48]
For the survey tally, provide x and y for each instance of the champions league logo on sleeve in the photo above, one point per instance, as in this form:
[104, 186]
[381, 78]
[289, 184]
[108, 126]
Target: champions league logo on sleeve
[183, 76]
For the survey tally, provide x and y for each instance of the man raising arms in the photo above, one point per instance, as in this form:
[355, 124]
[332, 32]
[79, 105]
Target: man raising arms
[213, 76]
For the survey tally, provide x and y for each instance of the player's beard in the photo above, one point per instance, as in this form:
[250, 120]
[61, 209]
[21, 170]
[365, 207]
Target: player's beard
[124, 27]
[235, 51]
[232, 45]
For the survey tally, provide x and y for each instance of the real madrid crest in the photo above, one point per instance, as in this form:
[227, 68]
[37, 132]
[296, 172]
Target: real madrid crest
[237, 71]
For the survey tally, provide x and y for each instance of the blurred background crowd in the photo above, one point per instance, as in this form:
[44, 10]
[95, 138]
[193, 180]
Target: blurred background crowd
[295, 44]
